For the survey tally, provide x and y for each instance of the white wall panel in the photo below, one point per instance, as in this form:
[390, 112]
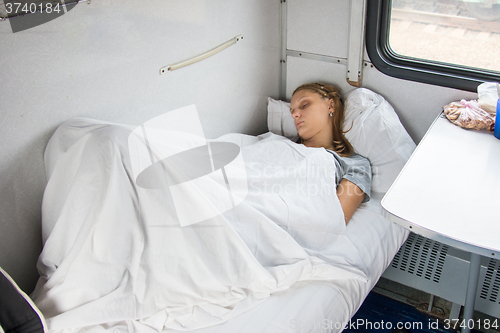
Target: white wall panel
[318, 26]
[302, 70]
[102, 61]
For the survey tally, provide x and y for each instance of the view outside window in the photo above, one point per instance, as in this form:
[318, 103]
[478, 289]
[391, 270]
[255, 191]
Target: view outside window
[463, 32]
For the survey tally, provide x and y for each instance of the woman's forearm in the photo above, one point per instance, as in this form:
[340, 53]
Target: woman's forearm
[350, 197]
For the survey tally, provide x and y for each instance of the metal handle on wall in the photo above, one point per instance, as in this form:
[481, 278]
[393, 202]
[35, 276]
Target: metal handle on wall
[201, 56]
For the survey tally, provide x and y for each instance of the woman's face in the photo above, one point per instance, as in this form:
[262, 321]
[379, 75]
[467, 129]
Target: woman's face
[311, 113]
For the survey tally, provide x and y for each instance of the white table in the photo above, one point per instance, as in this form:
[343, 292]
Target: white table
[449, 191]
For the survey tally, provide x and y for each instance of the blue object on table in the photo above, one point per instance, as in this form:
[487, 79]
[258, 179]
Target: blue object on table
[497, 121]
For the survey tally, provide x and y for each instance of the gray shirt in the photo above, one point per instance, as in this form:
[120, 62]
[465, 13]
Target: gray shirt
[355, 169]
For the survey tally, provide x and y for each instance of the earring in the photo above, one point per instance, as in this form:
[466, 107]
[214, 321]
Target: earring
[331, 113]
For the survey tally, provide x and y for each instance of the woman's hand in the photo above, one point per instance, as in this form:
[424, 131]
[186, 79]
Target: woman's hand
[350, 197]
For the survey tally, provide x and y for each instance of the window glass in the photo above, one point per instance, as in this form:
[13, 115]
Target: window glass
[463, 32]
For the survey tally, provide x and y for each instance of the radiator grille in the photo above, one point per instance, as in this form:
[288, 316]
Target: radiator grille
[491, 282]
[422, 257]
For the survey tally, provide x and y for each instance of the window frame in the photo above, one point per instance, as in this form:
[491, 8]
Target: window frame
[415, 69]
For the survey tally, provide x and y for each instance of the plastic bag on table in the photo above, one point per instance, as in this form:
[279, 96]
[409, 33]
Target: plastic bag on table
[488, 93]
[468, 114]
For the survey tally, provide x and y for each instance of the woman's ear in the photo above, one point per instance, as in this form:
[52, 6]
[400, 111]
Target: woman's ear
[331, 105]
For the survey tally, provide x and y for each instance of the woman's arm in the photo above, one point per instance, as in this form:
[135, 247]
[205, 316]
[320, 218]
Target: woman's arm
[350, 197]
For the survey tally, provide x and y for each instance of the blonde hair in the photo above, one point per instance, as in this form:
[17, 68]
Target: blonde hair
[340, 143]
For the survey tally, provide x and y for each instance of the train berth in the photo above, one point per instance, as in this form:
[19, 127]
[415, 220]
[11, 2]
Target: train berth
[148, 151]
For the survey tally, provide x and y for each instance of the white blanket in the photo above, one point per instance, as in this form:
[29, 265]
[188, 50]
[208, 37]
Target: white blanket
[115, 252]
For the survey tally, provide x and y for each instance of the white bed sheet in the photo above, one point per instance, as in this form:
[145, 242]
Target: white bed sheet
[318, 306]
[369, 244]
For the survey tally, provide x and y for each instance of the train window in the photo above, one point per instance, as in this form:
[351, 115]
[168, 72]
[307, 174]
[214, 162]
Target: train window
[453, 43]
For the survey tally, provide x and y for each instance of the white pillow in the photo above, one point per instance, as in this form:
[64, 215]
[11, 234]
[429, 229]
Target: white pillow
[279, 119]
[376, 133]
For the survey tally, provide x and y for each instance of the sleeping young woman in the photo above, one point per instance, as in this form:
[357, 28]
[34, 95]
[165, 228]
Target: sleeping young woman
[117, 256]
[318, 112]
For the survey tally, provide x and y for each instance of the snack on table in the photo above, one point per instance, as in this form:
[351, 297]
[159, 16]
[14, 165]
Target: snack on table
[468, 114]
